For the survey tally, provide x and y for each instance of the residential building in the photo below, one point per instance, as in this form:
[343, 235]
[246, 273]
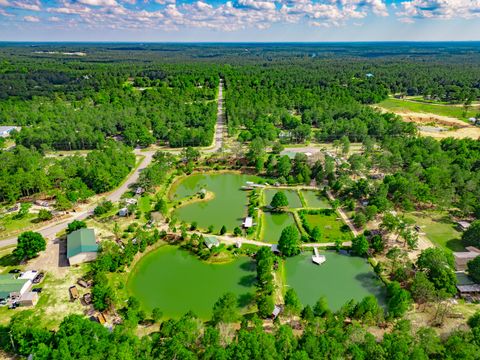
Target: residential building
[5, 131]
[211, 241]
[463, 257]
[13, 288]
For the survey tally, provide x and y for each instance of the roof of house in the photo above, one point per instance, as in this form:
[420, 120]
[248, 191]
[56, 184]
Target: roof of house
[7, 128]
[81, 241]
[9, 284]
[211, 240]
[468, 288]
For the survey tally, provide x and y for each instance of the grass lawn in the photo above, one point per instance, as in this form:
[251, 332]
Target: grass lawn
[8, 223]
[443, 110]
[144, 204]
[439, 229]
[331, 226]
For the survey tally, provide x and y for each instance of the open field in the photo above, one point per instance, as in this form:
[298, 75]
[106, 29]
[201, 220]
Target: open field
[403, 106]
[439, 229]
[331, 226]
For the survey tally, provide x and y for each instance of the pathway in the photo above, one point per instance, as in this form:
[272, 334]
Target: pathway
[51, 230]
[343, 215]
[220, 126]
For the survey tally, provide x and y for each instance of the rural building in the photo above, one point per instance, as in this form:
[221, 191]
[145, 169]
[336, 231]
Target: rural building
[131, 201]
[274, 249]
[248, 223]
[463, 225]
[470, 291]
[81, 246]
[139, 191]
[5, 131]
[463, 257]
[276, 311]
[13, 288]
[74, 295]
[123, 212]
[211, 241]
[30, 298]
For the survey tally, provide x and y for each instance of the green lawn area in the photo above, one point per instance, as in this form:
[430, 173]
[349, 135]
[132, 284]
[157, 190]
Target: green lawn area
[8, 223]
[144, 204]
[420, 107]
[315, 199]
[331, 226]
[439, 229]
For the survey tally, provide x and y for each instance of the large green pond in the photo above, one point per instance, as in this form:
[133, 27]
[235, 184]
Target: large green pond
[292, 196]
[227, 208]
[273, 225]
[176, 281]
[340, 279]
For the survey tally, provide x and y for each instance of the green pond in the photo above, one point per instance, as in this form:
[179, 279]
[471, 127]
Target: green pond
[315, 200]
[176, 281]
[340, 278]
[227, 208]
[292, 196]
[273, 224]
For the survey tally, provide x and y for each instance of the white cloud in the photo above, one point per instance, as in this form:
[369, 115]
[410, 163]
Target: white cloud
[257, 5]
[31, 18]
[164, 2]
[27, 5]
[438, 9]
[98, 2]
[54, 19]
[4, 3]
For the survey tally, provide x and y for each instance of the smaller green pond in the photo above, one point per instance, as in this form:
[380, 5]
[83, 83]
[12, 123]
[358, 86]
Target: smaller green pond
[315, 199]
[273, 225]
[176, 281]
[227, 208]
[340, 278]
[292, 196]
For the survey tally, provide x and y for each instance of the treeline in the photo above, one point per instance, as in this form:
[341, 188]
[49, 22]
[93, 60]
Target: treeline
[419, 172]
[297, 103]
[26, 172]
[325, 336]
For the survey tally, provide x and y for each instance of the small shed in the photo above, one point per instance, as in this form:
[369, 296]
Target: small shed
[29, 299]
[101, 319]
[275, 249]
[463, 225]
[248, 223]
[74, 295]
[472, 290]
[81, 246]
[211, 241]
[276, 311]
[123, 212]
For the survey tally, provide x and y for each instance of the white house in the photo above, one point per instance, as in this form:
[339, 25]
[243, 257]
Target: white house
[5, 131]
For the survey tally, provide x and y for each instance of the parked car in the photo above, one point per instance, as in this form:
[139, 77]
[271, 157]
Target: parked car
[38, 278]
[14, 271]
[13, 305]
[37, 290]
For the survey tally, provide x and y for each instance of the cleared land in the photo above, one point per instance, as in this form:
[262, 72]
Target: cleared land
[402, 106]
[439, 229]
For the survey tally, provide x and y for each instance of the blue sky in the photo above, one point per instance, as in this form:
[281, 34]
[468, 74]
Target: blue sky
[239, 20]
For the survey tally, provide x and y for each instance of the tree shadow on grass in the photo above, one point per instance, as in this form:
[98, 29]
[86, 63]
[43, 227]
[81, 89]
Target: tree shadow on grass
[9, 260]
[455, 244]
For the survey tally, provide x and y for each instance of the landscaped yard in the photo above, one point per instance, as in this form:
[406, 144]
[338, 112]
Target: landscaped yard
[439, 229]
[398, 105]
[8, 223]
[331, 226]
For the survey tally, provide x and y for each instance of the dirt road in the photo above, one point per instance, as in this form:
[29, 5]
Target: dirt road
[220, 126]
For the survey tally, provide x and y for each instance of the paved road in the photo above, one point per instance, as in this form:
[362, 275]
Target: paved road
[220, 126]
[51, 230]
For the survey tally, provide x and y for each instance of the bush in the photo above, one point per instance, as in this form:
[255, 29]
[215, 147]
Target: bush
[44, 215]
[76, 225]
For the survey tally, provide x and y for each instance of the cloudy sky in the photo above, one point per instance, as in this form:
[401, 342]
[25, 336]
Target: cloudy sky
[239, 20]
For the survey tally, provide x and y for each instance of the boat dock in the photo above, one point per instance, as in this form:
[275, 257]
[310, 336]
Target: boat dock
[317, 258]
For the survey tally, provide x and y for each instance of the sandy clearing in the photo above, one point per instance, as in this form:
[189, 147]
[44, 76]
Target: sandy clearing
[455, 128]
